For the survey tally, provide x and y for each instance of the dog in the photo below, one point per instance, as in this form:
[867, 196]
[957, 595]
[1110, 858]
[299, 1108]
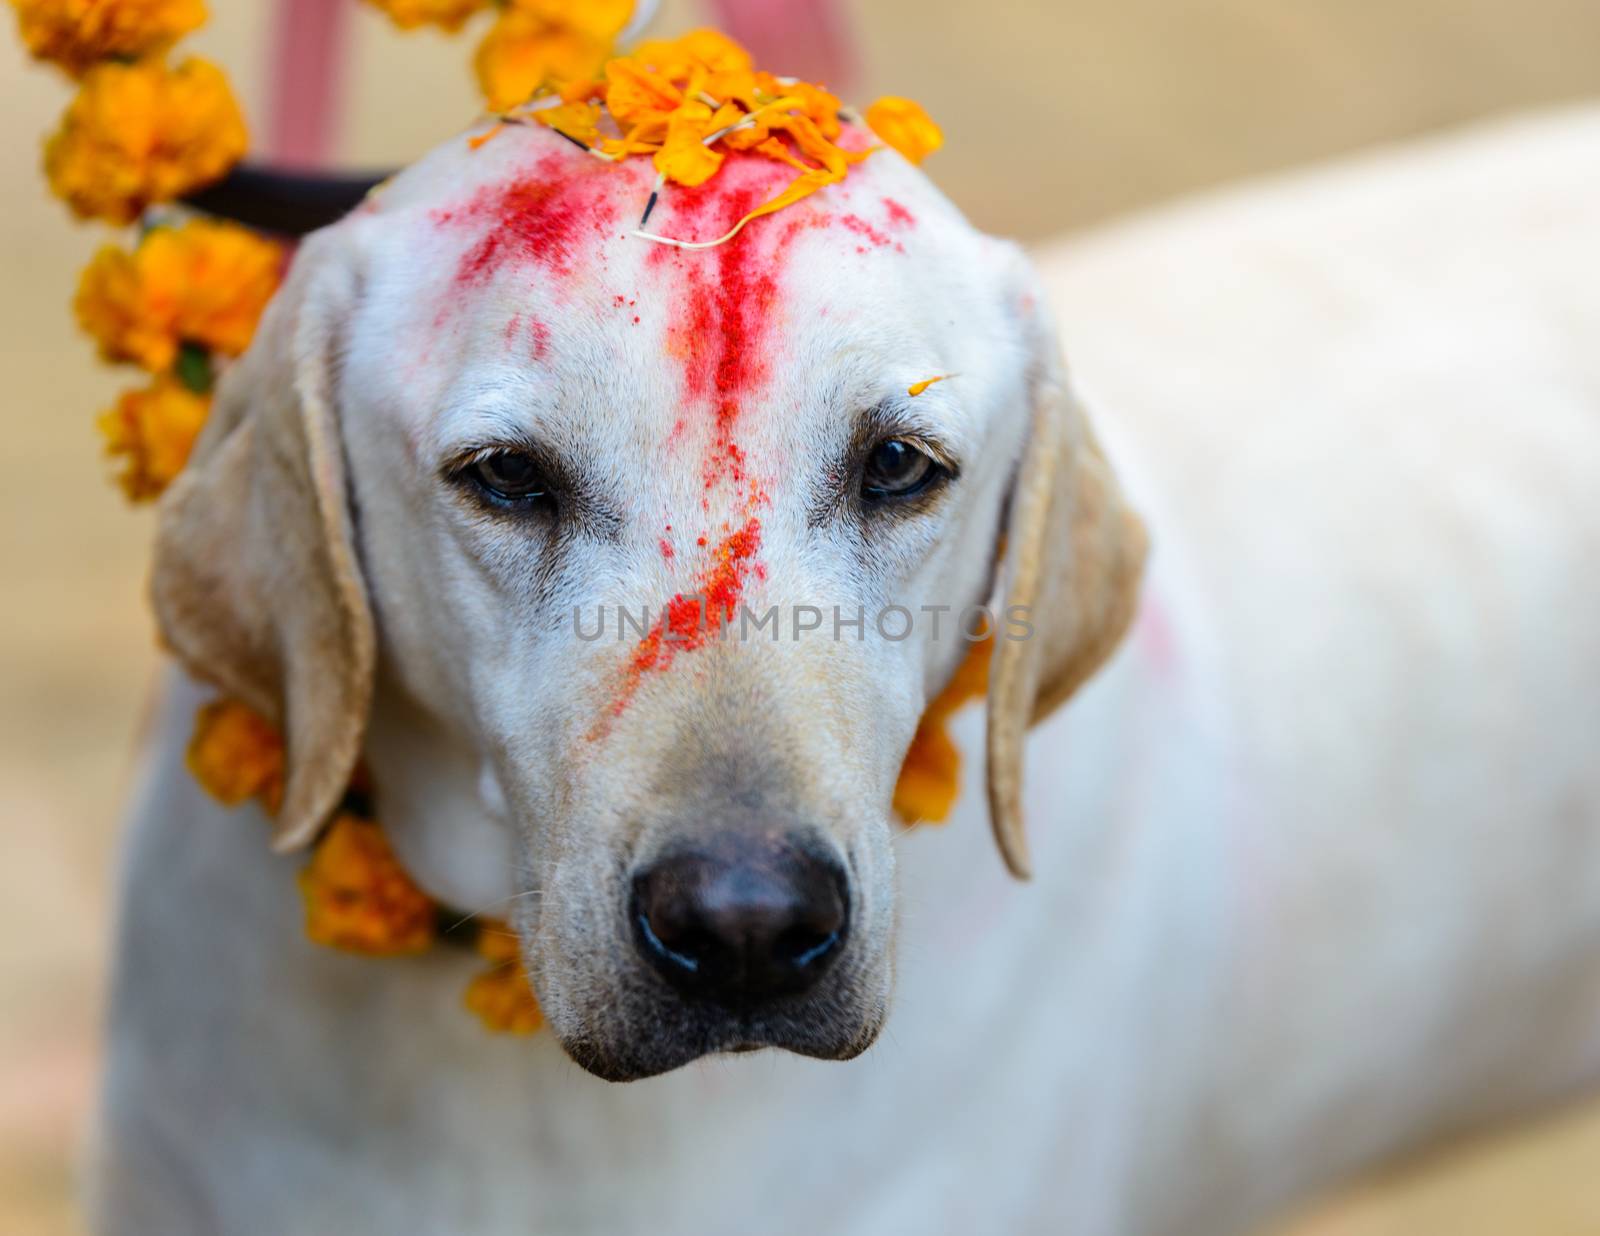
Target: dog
[1313, 853]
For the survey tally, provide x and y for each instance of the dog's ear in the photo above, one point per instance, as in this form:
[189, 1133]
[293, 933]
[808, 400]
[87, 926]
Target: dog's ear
[256, 583]
[1074, 552]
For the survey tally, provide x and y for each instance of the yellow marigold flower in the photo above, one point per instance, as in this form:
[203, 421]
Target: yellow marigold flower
[142, 133]
[75, 34]
[903, 125]
[500, 996]
[235, 753]
[204, 282]
[153, 429]
[931, 774]
[357, 896]
[447, 14]
[522, 53]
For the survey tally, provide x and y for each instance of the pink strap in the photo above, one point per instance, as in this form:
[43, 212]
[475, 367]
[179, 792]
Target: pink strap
[809, 39]
[308, 58]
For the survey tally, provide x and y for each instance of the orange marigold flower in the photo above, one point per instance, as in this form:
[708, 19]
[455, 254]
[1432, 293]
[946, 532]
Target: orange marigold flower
[204, 282]
[75, 34]
[142, 133]
[446, 14]
[930, 775]
[523, 53]
[501, 996]
[153, 430]
[357, 896]
[903, 125]
[236, 753]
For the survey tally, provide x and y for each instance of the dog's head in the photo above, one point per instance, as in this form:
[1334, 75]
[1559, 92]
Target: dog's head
[632, 568]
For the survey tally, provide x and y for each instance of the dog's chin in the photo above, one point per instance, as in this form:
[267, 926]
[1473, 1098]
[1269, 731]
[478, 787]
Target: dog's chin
[621, 1054]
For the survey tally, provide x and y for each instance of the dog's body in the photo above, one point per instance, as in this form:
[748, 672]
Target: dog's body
[1317, 856]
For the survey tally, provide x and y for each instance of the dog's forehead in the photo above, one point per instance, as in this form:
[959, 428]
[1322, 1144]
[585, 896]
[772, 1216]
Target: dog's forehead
[517, 264]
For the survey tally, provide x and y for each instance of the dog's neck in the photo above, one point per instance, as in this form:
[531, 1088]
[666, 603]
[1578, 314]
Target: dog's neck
[441, 807]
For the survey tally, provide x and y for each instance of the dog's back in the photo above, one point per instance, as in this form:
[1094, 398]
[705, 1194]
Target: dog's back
[1363, 410]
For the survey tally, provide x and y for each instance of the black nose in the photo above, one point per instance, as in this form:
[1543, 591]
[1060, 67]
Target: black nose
[744, 920]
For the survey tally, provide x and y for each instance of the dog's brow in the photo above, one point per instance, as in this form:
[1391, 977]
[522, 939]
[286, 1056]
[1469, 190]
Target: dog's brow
[475, 424]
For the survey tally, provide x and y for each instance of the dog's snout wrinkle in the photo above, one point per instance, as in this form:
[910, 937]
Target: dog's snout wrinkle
[743, 921]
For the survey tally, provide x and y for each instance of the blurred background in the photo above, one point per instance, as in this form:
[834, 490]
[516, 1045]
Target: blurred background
[1057, 113]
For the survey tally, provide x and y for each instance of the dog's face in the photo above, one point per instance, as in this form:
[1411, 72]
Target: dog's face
[663, 559]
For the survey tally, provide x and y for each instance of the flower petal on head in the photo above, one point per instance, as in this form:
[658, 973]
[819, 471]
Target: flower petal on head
[903, 125]
[684, 157]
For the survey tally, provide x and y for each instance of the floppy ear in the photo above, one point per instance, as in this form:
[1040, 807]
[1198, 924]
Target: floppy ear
[255, 583]
[1074, 554]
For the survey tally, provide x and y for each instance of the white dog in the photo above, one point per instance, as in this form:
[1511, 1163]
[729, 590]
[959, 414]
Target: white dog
[1316, 858]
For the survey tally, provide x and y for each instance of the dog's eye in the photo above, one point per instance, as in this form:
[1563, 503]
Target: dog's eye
[897, 469]
[509, 477]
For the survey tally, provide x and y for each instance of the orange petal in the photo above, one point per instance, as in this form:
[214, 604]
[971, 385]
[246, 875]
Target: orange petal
[636, 94]
[685, 158]
[902, 124]
[576, 120]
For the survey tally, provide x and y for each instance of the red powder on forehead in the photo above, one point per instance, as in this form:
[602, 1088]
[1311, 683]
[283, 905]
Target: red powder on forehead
[690, 621]
[540, 334]
[726, 307]
[858, 225]
[542, 215]
[899, 216]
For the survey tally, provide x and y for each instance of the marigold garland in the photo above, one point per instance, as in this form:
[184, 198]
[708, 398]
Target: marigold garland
[151, 431]
[931, 773]
[236, 755]
[141, 133]
[358, 897]
[501, 995]
[138, 134]
[75, 34]
[203, 282]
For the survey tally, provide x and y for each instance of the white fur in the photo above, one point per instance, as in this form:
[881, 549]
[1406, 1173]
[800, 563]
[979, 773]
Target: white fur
[1317, 855]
